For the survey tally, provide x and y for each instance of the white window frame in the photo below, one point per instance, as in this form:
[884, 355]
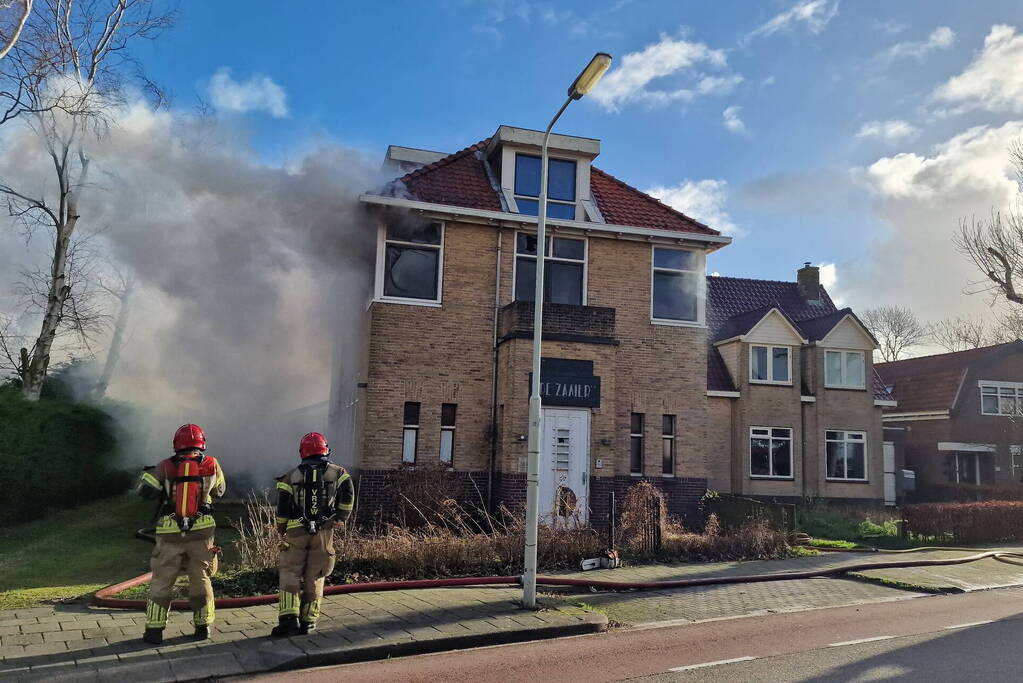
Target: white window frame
[701, 287]
[845, 440]
[551, 235]
[575, 204]
[831, 385]
[999, 387]
[413, 430]
[382, 243]
[1015, 456]
[450, 430]
[770, 463]
[770, 364]
[669, 441]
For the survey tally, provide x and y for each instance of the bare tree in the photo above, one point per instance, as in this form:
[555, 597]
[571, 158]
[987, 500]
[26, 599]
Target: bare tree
[896, 329]
[64, 78]
[960, 333]
[9, 35]
[995, 244]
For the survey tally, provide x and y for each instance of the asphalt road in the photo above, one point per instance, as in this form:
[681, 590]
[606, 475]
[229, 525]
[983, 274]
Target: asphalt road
[974, 636]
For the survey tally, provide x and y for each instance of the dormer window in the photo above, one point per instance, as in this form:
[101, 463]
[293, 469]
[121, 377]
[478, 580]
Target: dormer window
[561, 189]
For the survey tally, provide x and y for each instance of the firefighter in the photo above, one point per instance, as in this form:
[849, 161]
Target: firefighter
[187, 482]
[311, 500]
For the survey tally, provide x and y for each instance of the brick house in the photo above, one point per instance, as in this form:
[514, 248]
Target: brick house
[651, 370]
[959, 417]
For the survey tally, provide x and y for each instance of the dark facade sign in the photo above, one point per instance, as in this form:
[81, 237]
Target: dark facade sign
[568, 383]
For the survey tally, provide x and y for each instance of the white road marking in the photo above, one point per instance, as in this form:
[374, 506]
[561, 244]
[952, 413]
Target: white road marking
[717, 663]
[972, 623]
[861, 640]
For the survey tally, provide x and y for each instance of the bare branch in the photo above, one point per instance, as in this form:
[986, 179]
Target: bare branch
[896, 330]
[6, 43]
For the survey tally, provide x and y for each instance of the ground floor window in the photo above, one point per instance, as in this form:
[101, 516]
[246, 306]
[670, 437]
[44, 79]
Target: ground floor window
[668, 444]
[636, 443]
[966, 467]
[1016, 452]
[447, 432]
[410, 433]
[770, 451]
[847, 455]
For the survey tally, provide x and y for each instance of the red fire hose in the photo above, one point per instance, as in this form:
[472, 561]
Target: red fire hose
[102, 597]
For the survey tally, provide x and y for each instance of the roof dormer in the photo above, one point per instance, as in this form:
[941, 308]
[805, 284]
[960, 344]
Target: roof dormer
[514, 157]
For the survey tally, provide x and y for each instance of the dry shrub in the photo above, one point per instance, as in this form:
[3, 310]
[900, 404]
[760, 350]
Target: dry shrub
[968, 493]
[258, 539]
[423, 496]
[990, 522]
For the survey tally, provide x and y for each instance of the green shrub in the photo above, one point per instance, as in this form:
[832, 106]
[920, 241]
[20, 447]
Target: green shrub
[54, 453]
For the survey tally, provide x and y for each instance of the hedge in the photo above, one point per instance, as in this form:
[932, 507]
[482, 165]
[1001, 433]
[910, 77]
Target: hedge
[53, 454]
[989, 522]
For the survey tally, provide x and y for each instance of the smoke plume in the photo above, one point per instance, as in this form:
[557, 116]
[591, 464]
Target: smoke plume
[251, 281]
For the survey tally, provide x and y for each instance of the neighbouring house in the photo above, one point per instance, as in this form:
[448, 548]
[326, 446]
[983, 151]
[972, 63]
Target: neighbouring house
[959, 419]
[651, 371]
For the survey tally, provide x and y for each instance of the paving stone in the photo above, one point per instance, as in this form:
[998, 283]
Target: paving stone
[52, 636]
[22, 639]
[44, 649]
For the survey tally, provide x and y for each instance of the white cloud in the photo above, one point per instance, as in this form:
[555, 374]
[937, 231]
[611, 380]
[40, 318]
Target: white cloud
[703, 200]
[921, 198]
[941, 38]
[259, 93]
[733, 122]
[813, 14]
[994, 80]
[666, 58]
[889, 131]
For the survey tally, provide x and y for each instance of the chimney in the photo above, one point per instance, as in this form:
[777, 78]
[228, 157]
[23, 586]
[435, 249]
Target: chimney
[809, 279]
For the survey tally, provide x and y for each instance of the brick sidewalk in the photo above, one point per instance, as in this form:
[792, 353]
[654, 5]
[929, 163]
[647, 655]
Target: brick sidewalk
[77, 642]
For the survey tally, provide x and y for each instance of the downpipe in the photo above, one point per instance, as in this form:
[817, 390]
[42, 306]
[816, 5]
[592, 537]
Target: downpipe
[103, 597]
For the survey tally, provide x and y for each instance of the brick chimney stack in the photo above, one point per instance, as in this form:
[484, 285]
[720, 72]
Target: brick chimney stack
[809, 279]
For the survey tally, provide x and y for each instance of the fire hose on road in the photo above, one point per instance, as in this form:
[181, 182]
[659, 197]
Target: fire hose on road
[103, 597]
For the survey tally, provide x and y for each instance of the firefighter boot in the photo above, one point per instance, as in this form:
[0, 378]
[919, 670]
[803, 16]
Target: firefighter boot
[306, 627]
[286, 626]
[202, 632]
[153, 636]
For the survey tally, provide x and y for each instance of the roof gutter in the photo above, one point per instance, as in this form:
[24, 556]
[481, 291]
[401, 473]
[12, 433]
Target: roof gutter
[445, 211]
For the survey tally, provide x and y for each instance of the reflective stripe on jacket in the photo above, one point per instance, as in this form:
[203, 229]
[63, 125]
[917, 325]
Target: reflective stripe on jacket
[157, 479]
[291, 502]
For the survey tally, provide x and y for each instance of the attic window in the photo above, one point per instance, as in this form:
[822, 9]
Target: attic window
[561, 190]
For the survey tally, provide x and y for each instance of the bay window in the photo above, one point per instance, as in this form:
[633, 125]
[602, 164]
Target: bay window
[564, 269]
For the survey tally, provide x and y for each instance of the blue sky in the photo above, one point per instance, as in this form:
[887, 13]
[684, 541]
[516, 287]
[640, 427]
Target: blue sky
[819, 130]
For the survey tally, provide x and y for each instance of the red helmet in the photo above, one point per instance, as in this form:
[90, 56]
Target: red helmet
[313, 444]
[189, 436]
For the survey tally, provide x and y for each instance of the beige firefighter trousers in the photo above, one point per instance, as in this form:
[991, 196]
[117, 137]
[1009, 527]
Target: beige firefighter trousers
[193, 554]
[305, 562]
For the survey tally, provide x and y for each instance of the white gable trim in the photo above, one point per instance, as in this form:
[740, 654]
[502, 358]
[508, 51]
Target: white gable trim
[847, 318]
[751, 336]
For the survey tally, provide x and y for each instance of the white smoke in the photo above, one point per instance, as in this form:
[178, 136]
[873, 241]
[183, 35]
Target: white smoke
[238, 309]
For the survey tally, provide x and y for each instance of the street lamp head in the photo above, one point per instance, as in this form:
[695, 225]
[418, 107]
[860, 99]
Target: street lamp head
[589, 76]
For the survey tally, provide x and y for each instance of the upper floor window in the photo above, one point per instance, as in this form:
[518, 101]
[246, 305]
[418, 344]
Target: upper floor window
[1001, 398]
[676, 285]
[412, 261]
[844, 369]
[769, 364]
[564, 269]
[847, 456]
[561, 190]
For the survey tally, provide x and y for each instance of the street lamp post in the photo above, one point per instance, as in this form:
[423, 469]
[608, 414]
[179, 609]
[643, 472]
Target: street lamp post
[582, 85]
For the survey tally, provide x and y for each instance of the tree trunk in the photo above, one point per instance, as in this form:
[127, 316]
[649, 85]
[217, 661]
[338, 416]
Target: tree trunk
[116, 345]
[33, 374]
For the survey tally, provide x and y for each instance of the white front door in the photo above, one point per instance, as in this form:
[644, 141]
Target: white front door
[564, 465]
[889, 472]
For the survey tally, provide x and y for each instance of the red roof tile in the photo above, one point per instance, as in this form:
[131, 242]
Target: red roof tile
[932, 382]
[461, 179]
